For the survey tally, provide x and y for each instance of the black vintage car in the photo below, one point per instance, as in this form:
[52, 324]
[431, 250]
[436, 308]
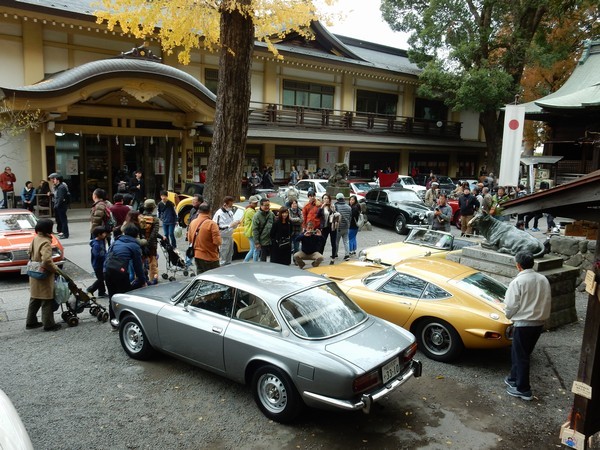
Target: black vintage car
[396, 207]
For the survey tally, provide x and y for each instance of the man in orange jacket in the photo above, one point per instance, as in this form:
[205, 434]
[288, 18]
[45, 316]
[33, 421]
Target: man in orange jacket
[204, 236]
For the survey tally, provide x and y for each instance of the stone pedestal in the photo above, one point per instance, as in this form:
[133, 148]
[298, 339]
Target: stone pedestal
[332, 191]
[502, 267]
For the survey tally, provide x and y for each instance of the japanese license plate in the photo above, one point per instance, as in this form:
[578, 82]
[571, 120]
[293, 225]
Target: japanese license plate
[390, 370]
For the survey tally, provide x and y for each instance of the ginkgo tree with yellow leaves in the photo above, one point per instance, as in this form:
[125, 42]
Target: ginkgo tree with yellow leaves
[229, 27]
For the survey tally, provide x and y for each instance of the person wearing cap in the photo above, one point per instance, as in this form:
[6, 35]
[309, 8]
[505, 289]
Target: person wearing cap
[249, 212]
[149, 225]
[432, 194]
[61, 204]
[345, 212]
[224, 219]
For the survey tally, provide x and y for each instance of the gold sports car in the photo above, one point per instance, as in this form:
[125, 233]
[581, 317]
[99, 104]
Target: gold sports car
[446, 305]
[420, 242]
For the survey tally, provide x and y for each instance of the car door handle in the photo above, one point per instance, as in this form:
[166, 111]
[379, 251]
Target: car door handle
[405, 303]
[217, 330]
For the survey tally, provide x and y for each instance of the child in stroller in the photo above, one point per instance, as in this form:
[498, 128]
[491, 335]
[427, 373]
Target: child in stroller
[174, 261]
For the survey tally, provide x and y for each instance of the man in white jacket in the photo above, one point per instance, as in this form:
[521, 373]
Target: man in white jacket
[224, 219]
[528, 303]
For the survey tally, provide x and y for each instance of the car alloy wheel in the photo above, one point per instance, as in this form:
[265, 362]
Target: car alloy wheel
[134, 340]
[438, 340]
[275, 394]
[400, 224]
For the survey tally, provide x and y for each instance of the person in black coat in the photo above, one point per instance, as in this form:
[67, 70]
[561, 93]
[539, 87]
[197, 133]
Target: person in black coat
[281, 233]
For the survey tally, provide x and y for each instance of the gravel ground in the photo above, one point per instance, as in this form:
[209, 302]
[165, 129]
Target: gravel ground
[77, 389]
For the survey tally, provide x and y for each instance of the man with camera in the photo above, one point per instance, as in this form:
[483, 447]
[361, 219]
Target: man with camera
[442, 215]
[311, 241]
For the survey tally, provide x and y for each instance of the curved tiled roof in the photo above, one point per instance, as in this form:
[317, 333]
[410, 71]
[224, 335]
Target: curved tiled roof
[74, 78]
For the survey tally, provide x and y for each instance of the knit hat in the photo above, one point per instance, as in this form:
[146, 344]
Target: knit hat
[150, 204]
[339, 196]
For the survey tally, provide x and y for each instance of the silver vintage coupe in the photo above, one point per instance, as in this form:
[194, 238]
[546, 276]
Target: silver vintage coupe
[293, 336]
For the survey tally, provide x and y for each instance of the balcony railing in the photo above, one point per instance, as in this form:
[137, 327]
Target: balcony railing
[270, 114]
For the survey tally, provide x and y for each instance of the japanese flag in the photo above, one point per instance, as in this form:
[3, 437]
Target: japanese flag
[512, 141]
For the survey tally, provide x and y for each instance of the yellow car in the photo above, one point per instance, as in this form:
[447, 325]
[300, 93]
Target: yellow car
[420, 242]
[183, 201]
[240, 241]
[446, 305]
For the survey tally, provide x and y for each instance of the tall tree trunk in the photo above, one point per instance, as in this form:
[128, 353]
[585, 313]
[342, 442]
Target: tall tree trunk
[492, 123]
[226, 158]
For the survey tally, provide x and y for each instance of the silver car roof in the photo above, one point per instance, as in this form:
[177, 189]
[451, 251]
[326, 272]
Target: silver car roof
[266, 280]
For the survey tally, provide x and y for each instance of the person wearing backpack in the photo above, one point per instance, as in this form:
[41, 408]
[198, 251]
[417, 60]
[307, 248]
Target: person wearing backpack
[61, 204]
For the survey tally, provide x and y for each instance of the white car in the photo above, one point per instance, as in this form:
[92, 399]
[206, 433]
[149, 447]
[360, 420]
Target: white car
[318, 186]
[409, 183]
[13, 434]
[360, 188]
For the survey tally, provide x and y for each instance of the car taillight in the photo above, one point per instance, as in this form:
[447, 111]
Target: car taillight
[366, 381]
[409, 353]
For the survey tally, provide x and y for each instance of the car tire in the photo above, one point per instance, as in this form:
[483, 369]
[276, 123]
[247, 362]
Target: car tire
[184, 216]
[457, 217]
[134, 339]
[400, 224]
[276, 395]
[438, 340]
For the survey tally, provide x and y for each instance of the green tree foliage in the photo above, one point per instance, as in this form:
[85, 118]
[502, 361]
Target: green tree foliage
[473, 52]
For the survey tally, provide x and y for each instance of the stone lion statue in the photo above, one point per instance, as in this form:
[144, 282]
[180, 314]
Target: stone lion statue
[339, 177]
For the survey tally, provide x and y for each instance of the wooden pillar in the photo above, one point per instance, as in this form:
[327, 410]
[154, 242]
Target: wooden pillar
[585, 415]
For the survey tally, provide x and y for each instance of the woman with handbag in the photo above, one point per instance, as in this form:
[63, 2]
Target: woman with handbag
[42, 287]
[281, 234]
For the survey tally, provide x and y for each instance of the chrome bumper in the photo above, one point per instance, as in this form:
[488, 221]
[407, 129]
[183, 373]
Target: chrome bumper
[366, 400]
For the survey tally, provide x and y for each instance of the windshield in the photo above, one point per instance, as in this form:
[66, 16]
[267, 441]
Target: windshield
[321, 312]
[483, 287]
[377, 277]
[403, 196]
[445, 180]
[362, 187]
[430, 238]
[406, 180]
[17, 222]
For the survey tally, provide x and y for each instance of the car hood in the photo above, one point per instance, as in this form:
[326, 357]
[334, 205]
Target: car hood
[374, 343]
[162, 291]
[16, 240]
[412, 206]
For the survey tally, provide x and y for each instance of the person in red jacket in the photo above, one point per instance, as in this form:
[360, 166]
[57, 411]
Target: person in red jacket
[7, 183]
[310, 211]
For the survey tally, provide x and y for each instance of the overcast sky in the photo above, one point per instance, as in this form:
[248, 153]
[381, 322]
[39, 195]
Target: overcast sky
[362, 20]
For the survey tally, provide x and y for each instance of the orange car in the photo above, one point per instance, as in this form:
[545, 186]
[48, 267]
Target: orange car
[17, 230]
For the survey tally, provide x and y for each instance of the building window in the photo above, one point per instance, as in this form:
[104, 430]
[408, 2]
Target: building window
[376, 102]
[310, 95]
[301, 157]
[430, 109]
[211, 79]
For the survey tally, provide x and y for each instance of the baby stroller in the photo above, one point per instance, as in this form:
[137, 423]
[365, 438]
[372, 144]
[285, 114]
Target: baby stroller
[71, 307]
[175, 263]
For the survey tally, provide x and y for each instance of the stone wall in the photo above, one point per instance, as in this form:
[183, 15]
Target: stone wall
[577, 252]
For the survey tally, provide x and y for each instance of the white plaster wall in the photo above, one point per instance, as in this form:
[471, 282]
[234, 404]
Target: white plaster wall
[14, 153]
[379, 86]
[470, 125]
[256, 87]
[11, 69]
[55, 59]
[307, 74]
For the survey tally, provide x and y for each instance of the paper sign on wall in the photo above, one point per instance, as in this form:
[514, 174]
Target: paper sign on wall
[590, 282]
[582, 389]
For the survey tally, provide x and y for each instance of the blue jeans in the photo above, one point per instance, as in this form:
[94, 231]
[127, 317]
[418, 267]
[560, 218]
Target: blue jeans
[169, 230]
[352, 232]
[252, 253]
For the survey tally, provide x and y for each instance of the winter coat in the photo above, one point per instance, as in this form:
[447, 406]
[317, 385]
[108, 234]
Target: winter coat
[208, 240]
[249, 213]
[7, 181]
[99, 215]
[40, 249]
[127, 249]
[296, 219]
[167, 213]
[261, 227]
[310, 213]
[98, 253]
[345, 214]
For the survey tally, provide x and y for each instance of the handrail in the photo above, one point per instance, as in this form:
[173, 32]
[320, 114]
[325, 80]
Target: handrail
[274, 114]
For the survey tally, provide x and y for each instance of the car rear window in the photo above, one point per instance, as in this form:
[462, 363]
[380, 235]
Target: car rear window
[320, 312]
[482, 286]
